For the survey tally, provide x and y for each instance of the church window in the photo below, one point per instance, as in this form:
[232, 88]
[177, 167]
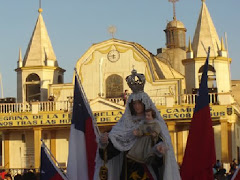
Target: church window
[181, 37]
[33, 88]
[172, 38]
[211, 76]
[114, 86]
[60, 79]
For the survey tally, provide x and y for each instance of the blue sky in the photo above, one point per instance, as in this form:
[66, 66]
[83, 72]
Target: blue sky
[73, 26]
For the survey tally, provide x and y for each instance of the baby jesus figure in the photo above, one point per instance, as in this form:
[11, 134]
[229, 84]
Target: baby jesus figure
[148, 133]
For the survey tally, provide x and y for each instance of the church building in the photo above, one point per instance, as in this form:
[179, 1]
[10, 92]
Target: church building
[44, 102]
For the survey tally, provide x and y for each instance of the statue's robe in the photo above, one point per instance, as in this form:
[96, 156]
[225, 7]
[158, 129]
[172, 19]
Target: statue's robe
[132, 170]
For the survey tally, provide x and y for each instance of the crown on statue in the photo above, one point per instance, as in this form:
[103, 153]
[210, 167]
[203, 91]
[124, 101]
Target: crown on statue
[136, 81]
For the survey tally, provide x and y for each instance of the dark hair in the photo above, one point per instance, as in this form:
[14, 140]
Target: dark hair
[18, 177]
[8, 175]
[29, 176]
[132, 110]
[153, 112]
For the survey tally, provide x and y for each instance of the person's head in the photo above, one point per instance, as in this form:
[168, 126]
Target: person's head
[18, 177]
[29, 176]
[150, 114]
[8, 177]
[137, 108]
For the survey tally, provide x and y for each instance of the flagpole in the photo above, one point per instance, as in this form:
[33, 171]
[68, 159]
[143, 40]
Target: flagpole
[85, 98]
[45, 146]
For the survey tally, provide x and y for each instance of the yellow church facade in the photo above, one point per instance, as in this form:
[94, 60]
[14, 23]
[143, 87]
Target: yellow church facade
[44, 102]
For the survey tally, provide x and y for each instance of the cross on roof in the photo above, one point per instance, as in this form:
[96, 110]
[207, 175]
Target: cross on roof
[174, 9]
[112, 30]
[40, 6]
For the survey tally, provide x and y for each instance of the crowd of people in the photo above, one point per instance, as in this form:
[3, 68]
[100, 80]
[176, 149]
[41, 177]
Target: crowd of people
[220, 173]
[28, 175]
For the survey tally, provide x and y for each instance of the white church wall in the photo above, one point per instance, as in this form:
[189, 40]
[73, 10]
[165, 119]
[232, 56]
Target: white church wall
[16, 150]
[217, 139]
[62, 141]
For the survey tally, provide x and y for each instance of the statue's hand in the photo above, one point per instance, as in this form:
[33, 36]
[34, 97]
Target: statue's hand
[154, 134]
[161, 148]
[136, 132]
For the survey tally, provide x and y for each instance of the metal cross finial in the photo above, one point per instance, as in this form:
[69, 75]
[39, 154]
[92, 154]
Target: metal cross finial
[112, 30]
[40, 9]
[174, 9]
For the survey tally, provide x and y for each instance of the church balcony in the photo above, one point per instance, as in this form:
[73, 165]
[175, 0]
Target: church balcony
[170, 100]
[116, 100]
[66, 106]
[158, 100]
[191, 98]
[35, 106]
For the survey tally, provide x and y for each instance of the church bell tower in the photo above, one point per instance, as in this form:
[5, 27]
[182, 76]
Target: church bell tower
[205, 36]
[39, 67]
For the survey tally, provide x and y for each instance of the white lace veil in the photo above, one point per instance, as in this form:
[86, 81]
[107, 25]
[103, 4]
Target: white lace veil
[121, 134]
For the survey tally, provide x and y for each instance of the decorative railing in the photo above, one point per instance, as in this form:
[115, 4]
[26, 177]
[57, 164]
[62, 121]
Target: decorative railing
[160, 101]
[39, 106]
[54, 106]
[191, 98]
[15, 107]
[67, 106]
[116, 100]
[183, 99]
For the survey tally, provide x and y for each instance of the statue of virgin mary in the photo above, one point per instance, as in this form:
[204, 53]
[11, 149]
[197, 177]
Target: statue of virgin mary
[113, 146]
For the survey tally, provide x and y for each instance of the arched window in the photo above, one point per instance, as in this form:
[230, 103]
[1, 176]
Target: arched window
[210, 68]
[181, 39]
[211, 76]
[32, 77]
[114, 86]
[33, 88]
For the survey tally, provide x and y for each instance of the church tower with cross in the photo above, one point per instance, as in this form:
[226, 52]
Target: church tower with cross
[174, 51]
[219, 63]
[39, 67]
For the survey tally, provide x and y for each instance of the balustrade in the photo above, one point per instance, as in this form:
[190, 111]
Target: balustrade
[41, 106]
[67, 106]
[191, 98]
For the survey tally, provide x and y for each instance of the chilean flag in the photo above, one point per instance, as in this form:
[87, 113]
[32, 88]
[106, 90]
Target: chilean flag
[200, 155]
[48, 169]
[82, 141]
[236, 175]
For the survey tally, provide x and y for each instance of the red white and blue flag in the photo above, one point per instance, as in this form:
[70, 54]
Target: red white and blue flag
[236, 175]
[200, 155]
[48, 169]
[82, 141]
